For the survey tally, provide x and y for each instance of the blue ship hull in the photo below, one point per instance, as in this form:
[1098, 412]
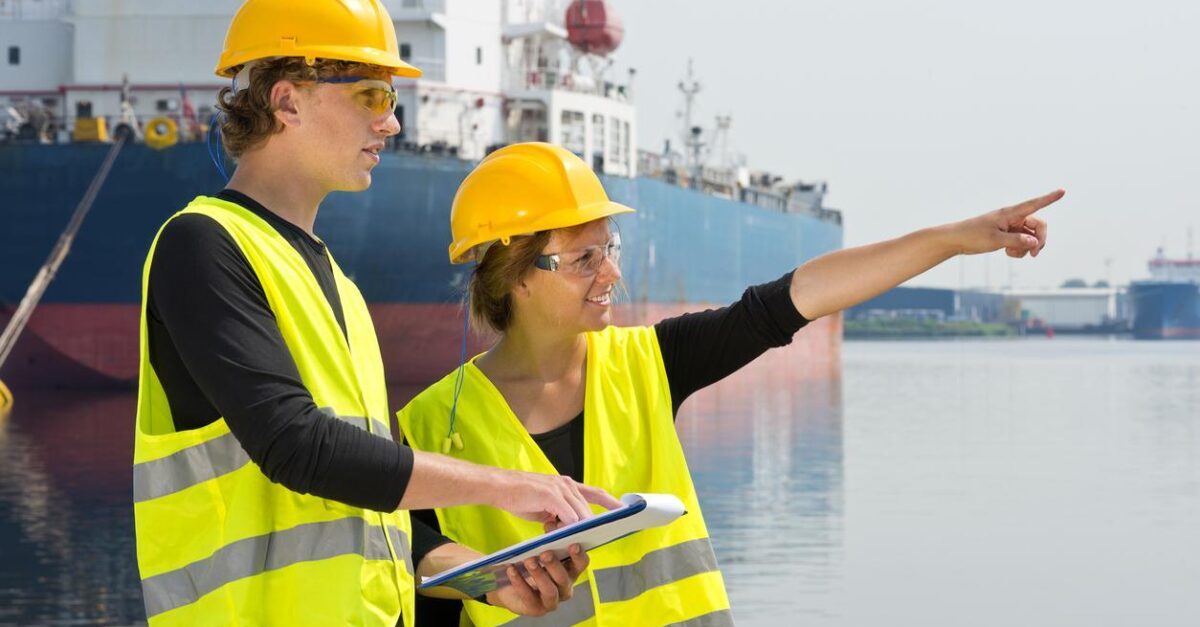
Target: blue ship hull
[1165, 310]
[683, 250]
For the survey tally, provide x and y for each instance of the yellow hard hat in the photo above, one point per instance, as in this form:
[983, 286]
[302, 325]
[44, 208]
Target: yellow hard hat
[523, 189]
[344, 30]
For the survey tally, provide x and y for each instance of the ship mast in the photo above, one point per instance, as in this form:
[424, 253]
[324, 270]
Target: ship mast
[691, 135]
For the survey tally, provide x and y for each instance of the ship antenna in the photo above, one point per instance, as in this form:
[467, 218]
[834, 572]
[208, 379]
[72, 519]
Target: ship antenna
[691, 140]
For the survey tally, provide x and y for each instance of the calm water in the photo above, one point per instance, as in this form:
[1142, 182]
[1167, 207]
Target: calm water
[958, 483]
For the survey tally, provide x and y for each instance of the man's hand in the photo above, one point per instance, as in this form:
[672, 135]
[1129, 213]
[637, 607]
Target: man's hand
[552, 500]
[441, 481]
[549, 583]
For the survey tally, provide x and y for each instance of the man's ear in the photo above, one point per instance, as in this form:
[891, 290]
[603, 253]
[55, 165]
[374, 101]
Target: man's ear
[285, 102]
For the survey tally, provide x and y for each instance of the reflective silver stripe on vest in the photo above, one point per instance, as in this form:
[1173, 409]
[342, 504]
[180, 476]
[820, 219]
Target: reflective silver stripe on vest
[657, 568]
[191, 466]
[577, 609]
[400, 542]
[259, 554]
[719, 618]
[208, 460]
[378, 427]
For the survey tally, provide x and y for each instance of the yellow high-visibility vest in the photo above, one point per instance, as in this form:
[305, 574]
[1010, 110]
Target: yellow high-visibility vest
[662, 576]
[217, 542]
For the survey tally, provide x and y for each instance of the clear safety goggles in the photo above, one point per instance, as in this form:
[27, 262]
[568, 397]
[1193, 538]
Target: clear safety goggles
[378, 97]
[585, 262]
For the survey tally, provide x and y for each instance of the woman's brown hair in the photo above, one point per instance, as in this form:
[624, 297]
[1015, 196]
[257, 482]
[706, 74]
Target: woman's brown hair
[492, 281]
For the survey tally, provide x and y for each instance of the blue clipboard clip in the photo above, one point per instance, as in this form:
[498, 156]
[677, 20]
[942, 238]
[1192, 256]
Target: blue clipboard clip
[637, 512]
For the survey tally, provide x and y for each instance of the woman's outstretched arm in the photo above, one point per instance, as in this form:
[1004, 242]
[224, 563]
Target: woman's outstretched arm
[844, 278]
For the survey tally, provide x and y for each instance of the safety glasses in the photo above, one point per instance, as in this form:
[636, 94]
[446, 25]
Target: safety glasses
[378, 97]
[583, 263]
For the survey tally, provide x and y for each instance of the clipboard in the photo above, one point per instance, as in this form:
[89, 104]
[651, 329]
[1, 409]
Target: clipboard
[638, 512]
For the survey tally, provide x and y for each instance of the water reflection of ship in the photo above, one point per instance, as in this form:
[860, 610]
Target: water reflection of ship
[766, 450]
[65, 518]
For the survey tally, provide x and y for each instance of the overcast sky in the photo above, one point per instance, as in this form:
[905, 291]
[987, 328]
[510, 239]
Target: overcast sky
[927, 111]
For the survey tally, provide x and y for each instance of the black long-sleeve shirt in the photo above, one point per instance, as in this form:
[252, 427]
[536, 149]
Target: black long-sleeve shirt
[217, 350]
[698, 350]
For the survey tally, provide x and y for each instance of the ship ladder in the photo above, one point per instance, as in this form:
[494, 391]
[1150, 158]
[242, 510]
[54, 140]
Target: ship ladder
[46, 273]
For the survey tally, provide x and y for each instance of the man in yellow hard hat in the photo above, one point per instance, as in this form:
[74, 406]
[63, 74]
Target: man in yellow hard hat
[267, 487]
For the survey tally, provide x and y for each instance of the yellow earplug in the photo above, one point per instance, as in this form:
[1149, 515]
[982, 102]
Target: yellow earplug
[453, 440]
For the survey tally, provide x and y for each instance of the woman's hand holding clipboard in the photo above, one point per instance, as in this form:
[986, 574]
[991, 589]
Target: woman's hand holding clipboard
[637, 512]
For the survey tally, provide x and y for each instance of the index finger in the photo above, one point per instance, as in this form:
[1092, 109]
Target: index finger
[576, 499]
[1030, 206]
[599, 497]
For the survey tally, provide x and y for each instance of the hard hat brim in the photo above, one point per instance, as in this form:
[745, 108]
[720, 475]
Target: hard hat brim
[575, 216]
[370, 56]
[464, 252]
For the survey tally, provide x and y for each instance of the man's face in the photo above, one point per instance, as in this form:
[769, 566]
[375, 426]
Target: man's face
[342, 126]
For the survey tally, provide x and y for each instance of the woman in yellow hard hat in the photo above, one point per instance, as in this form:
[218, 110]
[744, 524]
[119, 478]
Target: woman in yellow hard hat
[267, 487]
[563, 390]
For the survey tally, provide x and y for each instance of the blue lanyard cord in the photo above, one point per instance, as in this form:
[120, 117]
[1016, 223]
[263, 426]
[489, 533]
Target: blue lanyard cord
[452, 436]
[216, 151]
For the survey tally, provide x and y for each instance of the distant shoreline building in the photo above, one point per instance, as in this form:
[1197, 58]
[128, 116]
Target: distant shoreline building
[1065, 309]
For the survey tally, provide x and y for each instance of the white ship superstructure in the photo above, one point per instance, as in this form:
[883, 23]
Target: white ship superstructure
[495, 71]
[1166, 270]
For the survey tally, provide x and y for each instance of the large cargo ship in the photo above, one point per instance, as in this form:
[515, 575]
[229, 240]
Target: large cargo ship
[497, 71]
[1167, 306]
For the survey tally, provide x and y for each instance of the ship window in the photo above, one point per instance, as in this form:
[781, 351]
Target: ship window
[625, 147]
[529, 124]
[598, 142]
[614, 142]
[406, 52]
[572, 131]
[14, 55]
[167, 104]
[478, 55]
[598, 134]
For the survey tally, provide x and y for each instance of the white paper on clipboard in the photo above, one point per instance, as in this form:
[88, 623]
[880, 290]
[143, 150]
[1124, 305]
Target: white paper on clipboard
[637, 512]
